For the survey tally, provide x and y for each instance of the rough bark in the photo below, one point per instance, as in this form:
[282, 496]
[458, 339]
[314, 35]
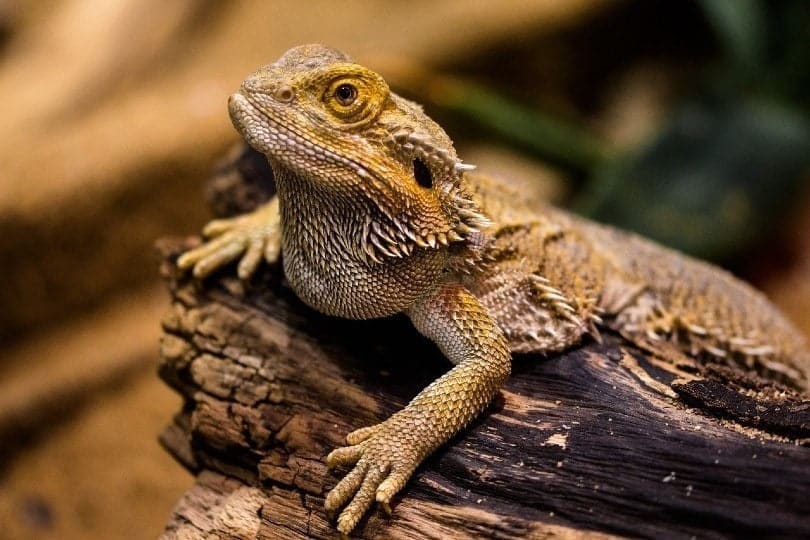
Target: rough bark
[601, 440]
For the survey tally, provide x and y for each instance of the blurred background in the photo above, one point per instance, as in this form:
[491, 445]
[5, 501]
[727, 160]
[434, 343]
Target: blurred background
[686, 120]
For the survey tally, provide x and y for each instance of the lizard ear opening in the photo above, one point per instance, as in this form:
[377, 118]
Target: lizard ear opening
[422, 174]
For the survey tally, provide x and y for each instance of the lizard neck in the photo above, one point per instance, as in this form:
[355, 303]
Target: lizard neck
[322, 234]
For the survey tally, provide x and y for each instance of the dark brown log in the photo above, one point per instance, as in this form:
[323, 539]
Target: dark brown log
[603, 439]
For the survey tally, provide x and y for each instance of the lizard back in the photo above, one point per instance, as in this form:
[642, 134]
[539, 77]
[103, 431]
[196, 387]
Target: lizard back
[550, 278]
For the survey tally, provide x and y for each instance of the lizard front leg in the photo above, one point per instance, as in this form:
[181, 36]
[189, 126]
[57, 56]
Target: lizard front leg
[252, 236]
[384, 456]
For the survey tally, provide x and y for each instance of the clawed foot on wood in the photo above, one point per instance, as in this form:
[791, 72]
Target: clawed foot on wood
[252, 237]
[383, 461]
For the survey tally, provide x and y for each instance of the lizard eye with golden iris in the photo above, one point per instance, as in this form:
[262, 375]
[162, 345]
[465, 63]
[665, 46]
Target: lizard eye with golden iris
[352, 99]
[346, 94]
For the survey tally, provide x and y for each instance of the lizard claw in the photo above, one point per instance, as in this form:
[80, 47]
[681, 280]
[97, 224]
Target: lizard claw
[252, 237]
[383, 458]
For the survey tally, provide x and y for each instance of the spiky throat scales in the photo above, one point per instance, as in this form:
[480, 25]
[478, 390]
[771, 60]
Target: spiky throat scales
[326, 260]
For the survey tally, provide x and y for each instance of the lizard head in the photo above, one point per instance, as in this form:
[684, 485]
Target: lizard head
[336, 124]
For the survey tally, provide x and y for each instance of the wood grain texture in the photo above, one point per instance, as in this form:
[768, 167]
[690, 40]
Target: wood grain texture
[591, 441]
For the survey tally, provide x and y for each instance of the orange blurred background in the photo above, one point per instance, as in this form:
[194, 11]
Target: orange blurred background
[113, 114]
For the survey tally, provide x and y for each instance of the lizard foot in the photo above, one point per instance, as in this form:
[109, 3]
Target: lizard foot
[384, 458]
[253, 236]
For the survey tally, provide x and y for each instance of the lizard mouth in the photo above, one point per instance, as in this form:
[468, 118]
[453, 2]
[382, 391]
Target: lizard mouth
[282, 141]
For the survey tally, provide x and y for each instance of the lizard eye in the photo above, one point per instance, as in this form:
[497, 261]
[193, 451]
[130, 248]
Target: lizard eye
[346, 94]
[354, 99]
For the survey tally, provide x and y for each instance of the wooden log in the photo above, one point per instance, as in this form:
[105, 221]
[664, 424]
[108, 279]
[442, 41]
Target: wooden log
[603, 440]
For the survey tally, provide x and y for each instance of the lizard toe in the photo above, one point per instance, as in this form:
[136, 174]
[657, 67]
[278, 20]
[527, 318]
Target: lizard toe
[345, 489]
[347, 455]
[223, 253]
[193, 256]
[359, 435]
[272, 250]
[251, 259]
[390, 486]
[218, 227]
[206, 258]
[362, 500]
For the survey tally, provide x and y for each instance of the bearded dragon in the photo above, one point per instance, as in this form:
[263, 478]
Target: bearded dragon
[376, 215]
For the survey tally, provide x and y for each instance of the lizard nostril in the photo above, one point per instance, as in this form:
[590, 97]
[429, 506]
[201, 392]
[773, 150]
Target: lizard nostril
[284, 94]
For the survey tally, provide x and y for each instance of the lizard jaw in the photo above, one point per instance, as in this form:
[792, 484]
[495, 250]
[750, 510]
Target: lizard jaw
[252, 125]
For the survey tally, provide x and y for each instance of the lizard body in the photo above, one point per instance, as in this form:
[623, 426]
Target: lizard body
[376, 215]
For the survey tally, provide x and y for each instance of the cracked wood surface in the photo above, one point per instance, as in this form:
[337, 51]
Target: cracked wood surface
[586, 442]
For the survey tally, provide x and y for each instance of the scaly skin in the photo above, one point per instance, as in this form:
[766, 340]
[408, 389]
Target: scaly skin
[376, 215]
